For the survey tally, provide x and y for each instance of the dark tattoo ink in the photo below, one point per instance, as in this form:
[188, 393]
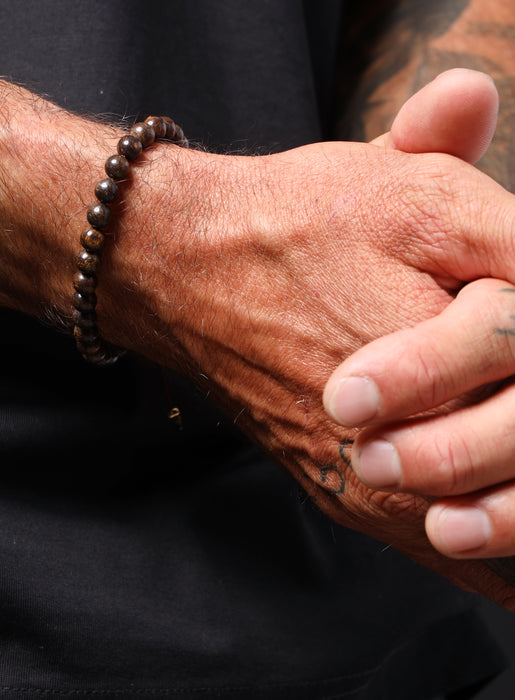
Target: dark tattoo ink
[377, 46]
[507, 331]
[332, 479]
[492, 29]
[344, 447]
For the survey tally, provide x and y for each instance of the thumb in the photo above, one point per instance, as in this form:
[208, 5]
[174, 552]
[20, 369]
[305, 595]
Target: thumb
[456, 114]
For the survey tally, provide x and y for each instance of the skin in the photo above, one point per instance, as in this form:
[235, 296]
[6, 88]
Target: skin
[408, 44]
[462, 460]
[246, 274]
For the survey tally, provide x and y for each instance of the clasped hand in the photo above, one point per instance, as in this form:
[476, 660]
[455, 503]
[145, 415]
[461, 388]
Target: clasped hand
[436, 402]
[256, 276]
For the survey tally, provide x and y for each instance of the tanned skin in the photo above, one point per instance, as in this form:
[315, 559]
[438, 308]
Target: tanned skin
[395, 48]
[254, 276]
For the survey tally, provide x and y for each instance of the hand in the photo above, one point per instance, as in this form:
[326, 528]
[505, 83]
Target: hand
[295, 432]
[463, 458]
[462, 359]
[254, 274]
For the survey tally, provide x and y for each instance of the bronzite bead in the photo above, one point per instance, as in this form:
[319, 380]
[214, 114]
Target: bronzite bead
[92, 239]
[144, 133]
[85, 335]
[99, 215]
[171, 128]
[117, 167]
[87, 262]
[86, 321]
[159, 126]
[174, 132]
[107, 190]
[85, 303]
[84, 283]
[89, 349]
[130, 147]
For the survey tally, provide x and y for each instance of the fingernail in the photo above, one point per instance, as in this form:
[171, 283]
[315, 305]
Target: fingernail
[378, 465]
[354, 401]
[461, 529]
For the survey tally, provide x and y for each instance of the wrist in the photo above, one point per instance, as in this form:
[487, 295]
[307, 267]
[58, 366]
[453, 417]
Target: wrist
[47, 160]
[50, 162]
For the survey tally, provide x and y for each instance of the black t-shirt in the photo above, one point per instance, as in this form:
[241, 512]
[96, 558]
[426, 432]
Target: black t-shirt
[137, 561]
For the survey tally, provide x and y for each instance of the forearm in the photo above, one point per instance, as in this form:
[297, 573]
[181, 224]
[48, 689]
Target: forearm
[403, 45]
[50, 161]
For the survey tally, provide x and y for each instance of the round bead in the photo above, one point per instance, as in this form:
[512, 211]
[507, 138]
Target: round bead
[107, 190]
[84, 302]
[86, 284]
[144, 133]
[171, 127]
[89, 348]
[157, 123]
[130, 147]
[99, 215]
[85, 320]
[92, 240]
[87, 262]
[85, 335]
[117, 167]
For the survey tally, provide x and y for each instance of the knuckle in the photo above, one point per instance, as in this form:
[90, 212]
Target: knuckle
[453, 471]
[424, 198]
[431, 374]
[436, 210]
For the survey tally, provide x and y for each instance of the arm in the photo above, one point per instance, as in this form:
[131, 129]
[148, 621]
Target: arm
[248, 274]
[400, 46]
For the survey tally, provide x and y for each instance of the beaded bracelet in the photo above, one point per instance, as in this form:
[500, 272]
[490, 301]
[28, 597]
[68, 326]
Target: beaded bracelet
[117, 167]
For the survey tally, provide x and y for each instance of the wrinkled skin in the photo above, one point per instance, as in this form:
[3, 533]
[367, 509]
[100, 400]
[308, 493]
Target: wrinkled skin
[256, 275]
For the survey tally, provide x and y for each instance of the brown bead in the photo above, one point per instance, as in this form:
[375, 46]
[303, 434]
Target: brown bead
[86, 284]
[130, 147]
[87, 262]
[86, 321]
[88, 349]
[92, 240]
[107, 190]
[117, 167]
[157, 123]
[84, 302]
[99, 215]
[85, 335]
[171, 128]
[144, 133]
[174, 132]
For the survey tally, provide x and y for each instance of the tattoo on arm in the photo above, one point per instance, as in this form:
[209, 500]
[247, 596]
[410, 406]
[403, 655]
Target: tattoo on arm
[376, 48]
[390, 52]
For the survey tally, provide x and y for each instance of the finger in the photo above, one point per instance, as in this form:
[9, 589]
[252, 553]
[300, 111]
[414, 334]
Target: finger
[455, 114]
[471, 343]
[475, 526]
[467, 450]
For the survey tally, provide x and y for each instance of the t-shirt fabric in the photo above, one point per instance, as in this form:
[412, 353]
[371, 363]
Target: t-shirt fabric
[139, 561]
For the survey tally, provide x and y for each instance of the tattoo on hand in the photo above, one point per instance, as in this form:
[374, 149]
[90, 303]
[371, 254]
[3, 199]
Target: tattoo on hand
[332, 479]
[507, 331]
[345, 448]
